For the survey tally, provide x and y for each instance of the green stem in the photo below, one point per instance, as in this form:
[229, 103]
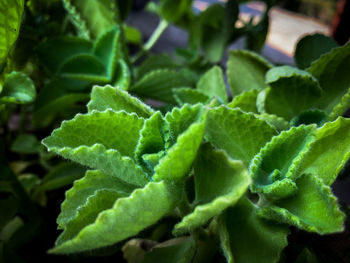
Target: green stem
[163, 24]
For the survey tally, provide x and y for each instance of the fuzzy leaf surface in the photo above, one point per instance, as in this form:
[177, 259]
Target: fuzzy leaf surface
[188, 95]
[246, 101]
[246, 238]
[219, 182]
[290, 91]
[313, 208]
[108, 97]
[212, 84]
[127, 217]
[236, 132]
[251, 66]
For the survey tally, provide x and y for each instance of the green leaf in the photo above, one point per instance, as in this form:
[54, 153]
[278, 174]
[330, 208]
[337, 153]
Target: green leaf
[132, 34]
[188, 95]
[158, 84]
[246, 101]
[309, 117]
[212, 84]
[246, 71]
[153, 62]
[219, 182]
[178, 159]
[52, 99]
[17, 88]
[246, 238]
[275, 168]
[108, 97]
[310, 48]
[62, 175]
[236, 132]
[26, 143]
[55, 51]
[98, 140]
[92, 17]
[10, 20]
[330, 151]
[173, 10]
[145, 206]
[108, 49]
[290, 91]
[177, 250]
[87, 186]
[151, 138]
[313, 208]
[331, 71]
[278, 122]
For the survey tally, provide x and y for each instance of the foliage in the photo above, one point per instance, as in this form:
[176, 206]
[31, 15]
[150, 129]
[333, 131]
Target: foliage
[166, 162]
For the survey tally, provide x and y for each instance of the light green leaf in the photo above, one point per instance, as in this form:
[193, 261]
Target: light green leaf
[245, 238]
[108, 97]
[219, 182]
[313, 208]
[236, 132]
[212, 84]
[10, 20]
[98, 140]
[77, 196]
[55, 51]
[177, 250]
[246, 101]
[331, 71]
[278, 122]
[275, 168]
[122, 75]
[188, 95]
[151, 138]
[92, 17]
[246, 71]
[62, 175]
[290, 91]
[158, 84]
[17, 88]
[311, 47]
[330, 151]
[132, 35]
[145, 206]
[178, 159]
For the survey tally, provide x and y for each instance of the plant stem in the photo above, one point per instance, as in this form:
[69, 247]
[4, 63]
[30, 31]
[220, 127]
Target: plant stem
[163, 24]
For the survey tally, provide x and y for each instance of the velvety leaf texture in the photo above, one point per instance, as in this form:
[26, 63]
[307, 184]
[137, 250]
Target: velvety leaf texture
[108, 97]
[246, 101]
[251, 66]
[235, 132]
[127, 216]
[219, 182]
[212, 84]
[313, 208]
[98, 140]
[291, 91]
[246, 238]
[188, 95]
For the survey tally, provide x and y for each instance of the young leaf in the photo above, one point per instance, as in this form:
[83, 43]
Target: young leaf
[92, 17]
[331, 71]
[313, 207]
[246, 71]
[158, 84]
[188, 95]
[17, 88]
[330, 151]
[290, 91]
[108, 97]
[275, 167]
[219, 182]
[145, 206]
[212, 84]
[83, 189]
[10, 20]
[246, 101]
[246, 238]
[310, 48]
[98, 140]
[235, 132]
